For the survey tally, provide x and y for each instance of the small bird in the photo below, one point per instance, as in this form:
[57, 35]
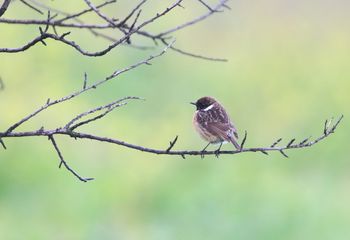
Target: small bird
[213, 123]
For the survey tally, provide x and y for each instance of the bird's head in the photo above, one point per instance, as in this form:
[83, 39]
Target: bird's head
[204, 102]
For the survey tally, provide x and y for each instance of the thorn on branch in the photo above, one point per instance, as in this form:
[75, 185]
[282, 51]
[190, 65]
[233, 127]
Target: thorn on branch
[64, 34]
[283, 153]
[172, 143]
[264, 152]
[85, 81]
[290, 143]
[304, 141]
[3, 144]
[275, 143]
[41, 130]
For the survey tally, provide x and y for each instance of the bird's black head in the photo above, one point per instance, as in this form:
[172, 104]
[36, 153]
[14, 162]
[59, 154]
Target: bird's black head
[203, 102]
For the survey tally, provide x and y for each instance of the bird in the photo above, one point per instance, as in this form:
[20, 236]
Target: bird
[213, 123]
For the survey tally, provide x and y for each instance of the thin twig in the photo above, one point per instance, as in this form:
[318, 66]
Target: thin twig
[196, 20]
[78, 48]
[122, 22]
[109, 106]
[93, 86]
[32, 7]
[172, 143]
[75, 15]
[208, 7]
[4, 7]
[98, 12]
[193, 54]
[64, 163]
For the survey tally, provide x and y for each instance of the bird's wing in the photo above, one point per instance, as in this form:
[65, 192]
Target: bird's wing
[219, 122]
[224, 130]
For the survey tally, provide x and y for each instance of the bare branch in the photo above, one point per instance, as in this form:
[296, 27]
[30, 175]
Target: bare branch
[128, 28]
[76, 135]
[64, 163]
[207, 6]
[194, 55]
[95, 85]
[98, 12]
[122, 22]
[109, 107]
[196, 20]
[71, 16]
[32, 7]
[4, 7]
[44, 36]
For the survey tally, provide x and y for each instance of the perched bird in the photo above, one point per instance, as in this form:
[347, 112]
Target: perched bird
[213, 123]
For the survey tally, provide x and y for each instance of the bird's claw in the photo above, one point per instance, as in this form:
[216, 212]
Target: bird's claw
[217, 153]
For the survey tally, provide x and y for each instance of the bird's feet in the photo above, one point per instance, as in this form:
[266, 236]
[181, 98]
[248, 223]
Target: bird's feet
[202, 154]
[217, 153]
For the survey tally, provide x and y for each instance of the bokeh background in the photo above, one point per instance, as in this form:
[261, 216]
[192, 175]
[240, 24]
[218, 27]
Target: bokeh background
[288, 70]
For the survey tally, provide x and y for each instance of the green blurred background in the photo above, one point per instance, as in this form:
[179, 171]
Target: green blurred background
[288, 70]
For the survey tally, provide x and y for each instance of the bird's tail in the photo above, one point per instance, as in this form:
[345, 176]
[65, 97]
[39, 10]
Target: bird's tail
[234, 142]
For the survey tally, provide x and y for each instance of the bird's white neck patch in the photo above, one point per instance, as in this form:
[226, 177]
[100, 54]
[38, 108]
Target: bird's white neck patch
[208, 108]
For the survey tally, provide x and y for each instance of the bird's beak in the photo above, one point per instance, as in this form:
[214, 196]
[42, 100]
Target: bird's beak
[193, 103]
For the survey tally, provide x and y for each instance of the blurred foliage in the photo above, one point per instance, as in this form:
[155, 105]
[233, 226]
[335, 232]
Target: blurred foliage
[288, 71]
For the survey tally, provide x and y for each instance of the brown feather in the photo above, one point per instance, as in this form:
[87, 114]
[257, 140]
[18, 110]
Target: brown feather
[214, 125]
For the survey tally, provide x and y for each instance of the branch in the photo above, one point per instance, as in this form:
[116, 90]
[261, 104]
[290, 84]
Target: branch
[194, 55]
[32, 7]
[172, 143]
[128, 31]
[207, 6]
[50, 103]
[4, 7]
[122, 22]
[101, 15]
[220, 5]
[74, 16]
[110, 107]
[61, 38]
[81, 135]
[64, 163]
